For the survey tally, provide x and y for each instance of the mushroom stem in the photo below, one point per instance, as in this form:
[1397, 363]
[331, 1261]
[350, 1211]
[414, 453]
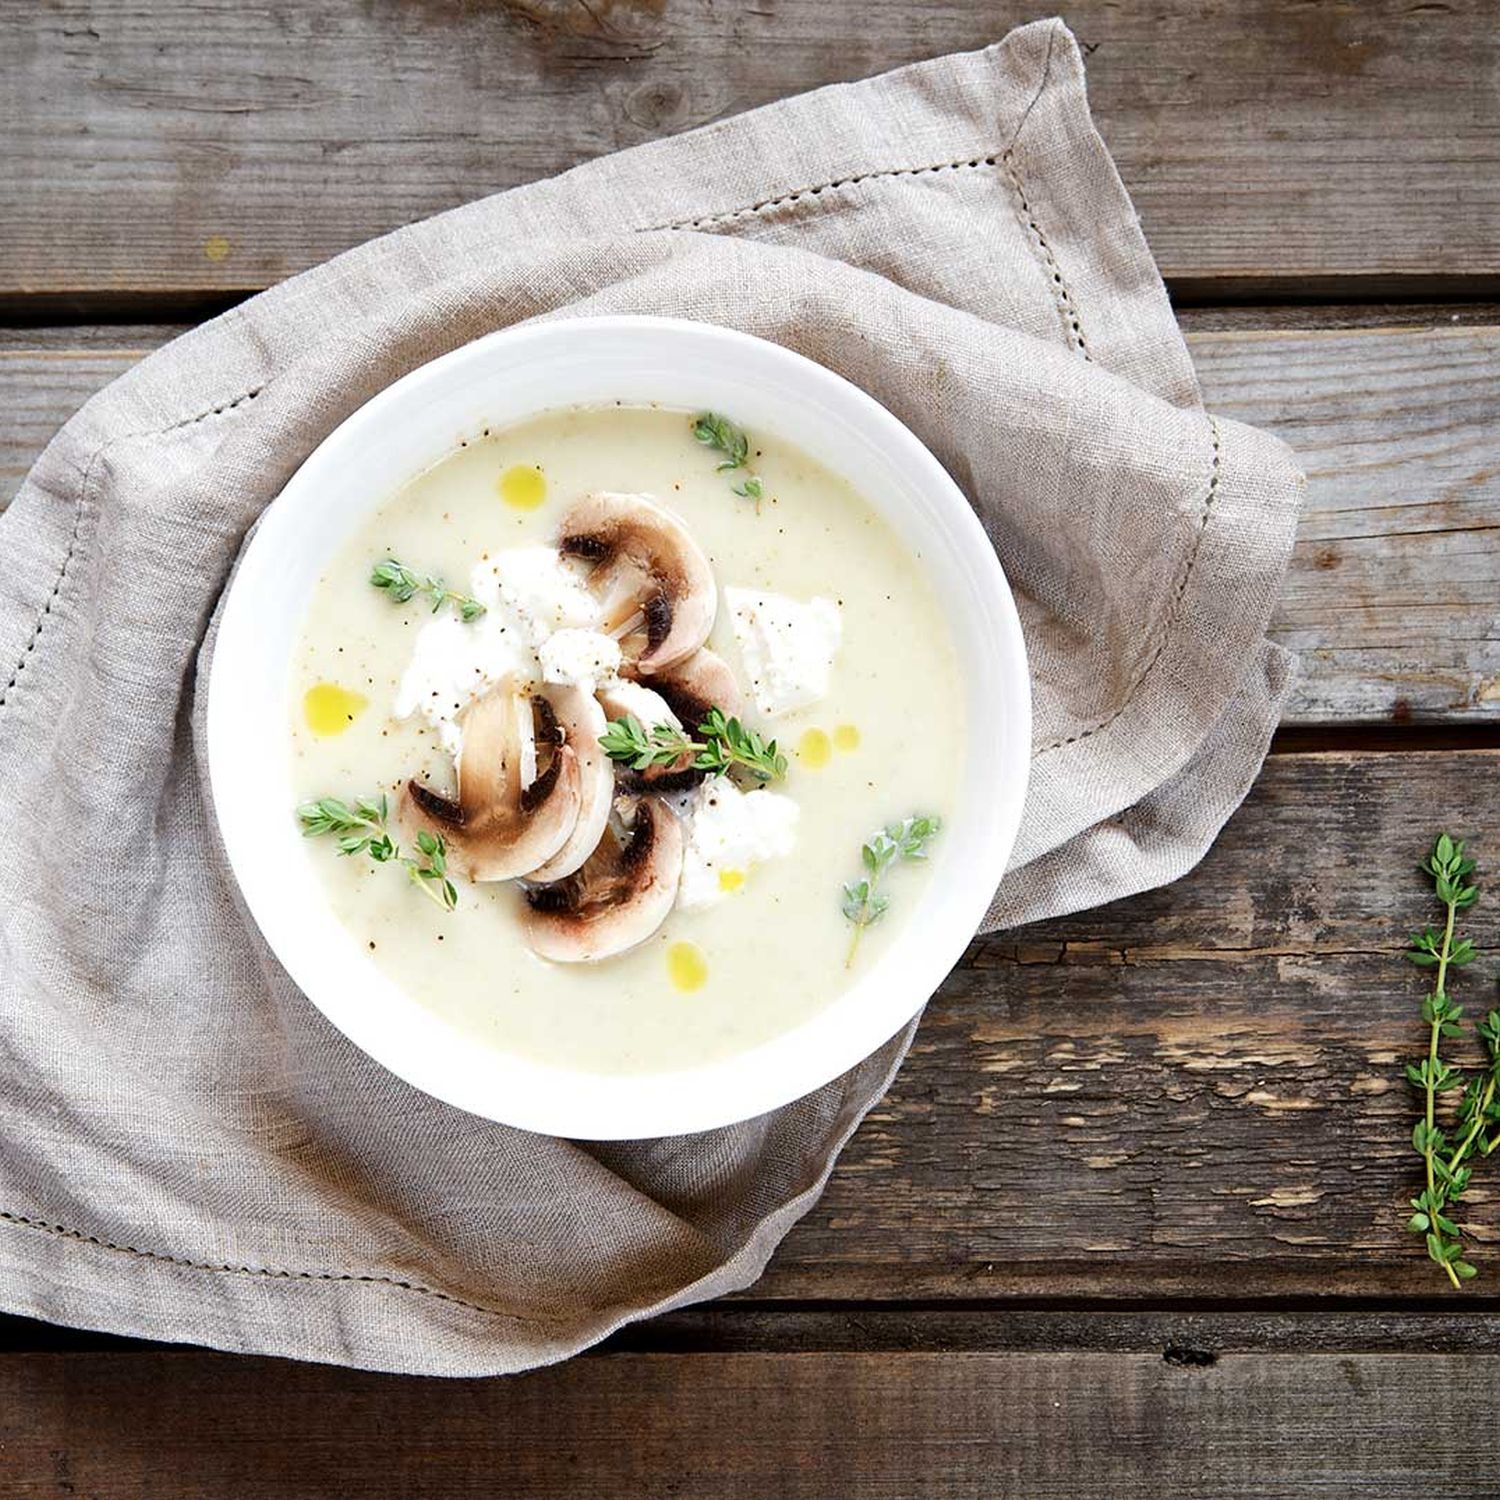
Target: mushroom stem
[527, 757]
[632, 623]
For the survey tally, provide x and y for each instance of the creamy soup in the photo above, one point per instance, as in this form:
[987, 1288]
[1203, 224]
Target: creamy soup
[836, 647]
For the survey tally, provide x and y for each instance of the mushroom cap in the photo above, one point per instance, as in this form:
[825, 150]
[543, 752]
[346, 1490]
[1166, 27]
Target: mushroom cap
[582, 722]
[698, 683]
[501, 826]
[647, 565]
[618, 899]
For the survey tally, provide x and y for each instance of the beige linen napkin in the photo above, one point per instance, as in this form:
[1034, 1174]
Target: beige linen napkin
[187, 1150]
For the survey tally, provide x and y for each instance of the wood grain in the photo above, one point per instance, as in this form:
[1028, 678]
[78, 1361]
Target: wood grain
[1123, 1225]
[959, 1426]
[1194, 1092]
[204, 144]
[1393, 595]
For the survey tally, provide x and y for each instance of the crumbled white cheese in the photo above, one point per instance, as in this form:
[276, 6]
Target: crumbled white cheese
[787, 647]
[538, 589]
[729, 831]
[626, 699]
[453, 663]
[530, 596]
[579, 658]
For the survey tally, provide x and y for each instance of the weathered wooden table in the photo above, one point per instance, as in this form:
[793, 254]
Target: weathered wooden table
[1129, 1222]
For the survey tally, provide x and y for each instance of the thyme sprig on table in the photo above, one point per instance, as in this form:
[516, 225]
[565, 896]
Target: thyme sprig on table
[1446, 1162]
[402, 584]
[361, 829]
[723, 436]
[864, 903]
[725, 744]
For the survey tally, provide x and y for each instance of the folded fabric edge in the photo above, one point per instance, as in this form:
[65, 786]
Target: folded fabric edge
[1112, 301]
[47, 1270]
[1233, 555]
[1160, 838]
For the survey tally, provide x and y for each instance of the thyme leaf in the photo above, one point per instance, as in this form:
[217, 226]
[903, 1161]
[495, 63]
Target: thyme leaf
[403, 585]
[864, 903]
[361, 829]
[716, 431]
[725, 744]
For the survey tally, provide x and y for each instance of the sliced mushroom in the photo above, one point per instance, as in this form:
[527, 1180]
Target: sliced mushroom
[582, 722]
[655, 584]
[619, 898]
[649, 708]
[623, 699]
[519, 788]
[700, 682]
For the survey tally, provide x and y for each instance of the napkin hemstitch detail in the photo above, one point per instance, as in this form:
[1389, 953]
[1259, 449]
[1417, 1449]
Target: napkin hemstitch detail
[1169, 614]
[854, 179]
[751, 209]
[56, 589]
[80, 505]
[1066, 305]
[270, 1273]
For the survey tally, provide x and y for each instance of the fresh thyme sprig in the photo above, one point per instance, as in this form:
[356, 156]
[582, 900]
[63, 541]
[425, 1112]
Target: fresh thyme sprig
[864, 903]
[725, 745]
[361, 829]
[731, 744]
[723, 436]
[1447, 1176]
[402, 584]
[430, 869]
[718, 432]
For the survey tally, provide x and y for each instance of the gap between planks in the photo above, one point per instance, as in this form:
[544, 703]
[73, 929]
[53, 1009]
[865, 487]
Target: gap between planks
[144, 321]
[1182, 1330]
[1346, 302]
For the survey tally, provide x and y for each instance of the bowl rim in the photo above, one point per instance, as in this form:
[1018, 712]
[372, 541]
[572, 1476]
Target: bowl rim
[395, 1029]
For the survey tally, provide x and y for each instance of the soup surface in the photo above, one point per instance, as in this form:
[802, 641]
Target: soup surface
[768, 941]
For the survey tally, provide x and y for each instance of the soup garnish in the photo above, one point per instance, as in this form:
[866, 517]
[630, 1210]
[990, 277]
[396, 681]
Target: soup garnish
[719, 433]
[629, 729]
[864, 904]
[362, 830]
[726, 745]
[403, 585]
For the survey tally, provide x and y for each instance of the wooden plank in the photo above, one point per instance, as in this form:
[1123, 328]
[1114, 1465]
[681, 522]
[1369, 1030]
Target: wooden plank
[204, 144]
[1194, 1092]
[39, 391]
[1114, 1426]
[1393, 595]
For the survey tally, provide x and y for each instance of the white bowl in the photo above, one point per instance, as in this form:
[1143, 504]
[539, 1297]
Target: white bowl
[494, 382]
